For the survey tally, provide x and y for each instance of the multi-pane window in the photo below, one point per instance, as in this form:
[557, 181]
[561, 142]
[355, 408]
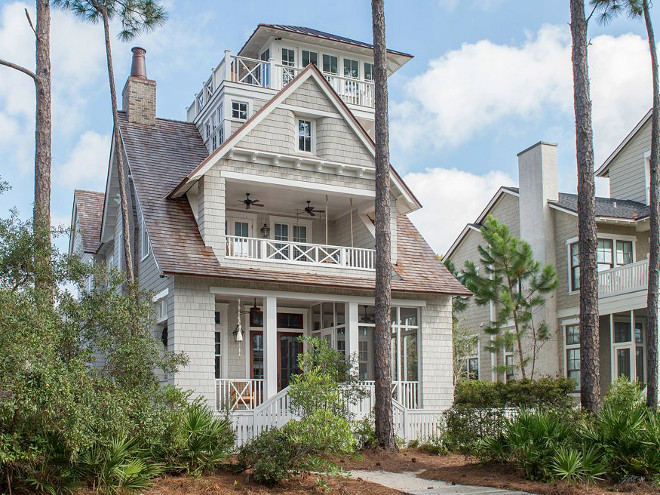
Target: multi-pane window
[624, 252]
[288, 57]
[510, 364]
[309, 58]
[351, 68]
[218, 348]
[470, 366]
[604, 255]
[575, 266]
[239, 110]
[572, 344]
[299, 233]
[305, 135]
[368, 71]
[330, 64]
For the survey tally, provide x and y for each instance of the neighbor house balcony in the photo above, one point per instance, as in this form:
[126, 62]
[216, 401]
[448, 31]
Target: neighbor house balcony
[625, 279]
[271, 75]
[298, 253]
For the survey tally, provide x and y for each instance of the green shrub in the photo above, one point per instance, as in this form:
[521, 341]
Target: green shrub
[203, 442]
[364, 432]
[467, 426]
[270, 455]
[543, 392]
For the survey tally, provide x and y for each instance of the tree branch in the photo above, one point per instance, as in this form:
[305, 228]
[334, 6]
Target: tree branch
[19, 68]
[27, 14]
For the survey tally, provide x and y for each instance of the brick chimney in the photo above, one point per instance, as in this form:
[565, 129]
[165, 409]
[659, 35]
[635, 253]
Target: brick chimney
[139, 95]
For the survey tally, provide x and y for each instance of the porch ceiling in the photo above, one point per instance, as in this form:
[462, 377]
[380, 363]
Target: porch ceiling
[288, 201]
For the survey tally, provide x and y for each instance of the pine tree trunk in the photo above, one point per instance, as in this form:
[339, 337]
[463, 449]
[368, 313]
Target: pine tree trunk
[587, 234]
[654, 240]
[119, 153]
[42, 161]
[383, 314]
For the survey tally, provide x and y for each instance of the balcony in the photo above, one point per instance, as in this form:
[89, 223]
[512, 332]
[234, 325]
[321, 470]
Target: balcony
[271, 75]
[623, 279]
[298, 253]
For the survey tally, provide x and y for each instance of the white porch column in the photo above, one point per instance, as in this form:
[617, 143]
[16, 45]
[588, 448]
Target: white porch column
[270, 346]
[352, 331]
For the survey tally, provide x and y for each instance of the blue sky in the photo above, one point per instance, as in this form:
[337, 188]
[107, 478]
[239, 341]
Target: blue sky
[489, 78]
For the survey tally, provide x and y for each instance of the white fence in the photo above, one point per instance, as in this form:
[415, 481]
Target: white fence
[233, 395]
[299, 253]
[623, 279]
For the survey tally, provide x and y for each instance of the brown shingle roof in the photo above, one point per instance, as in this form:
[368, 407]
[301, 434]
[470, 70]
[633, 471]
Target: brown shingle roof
[89, 206]
[160, 156]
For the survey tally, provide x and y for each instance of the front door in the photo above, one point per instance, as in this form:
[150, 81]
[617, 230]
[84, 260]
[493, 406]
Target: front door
[288, 350]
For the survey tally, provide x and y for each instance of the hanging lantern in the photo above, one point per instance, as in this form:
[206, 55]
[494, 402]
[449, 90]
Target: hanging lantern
[265, 231]
[256, 316]
[238, 332]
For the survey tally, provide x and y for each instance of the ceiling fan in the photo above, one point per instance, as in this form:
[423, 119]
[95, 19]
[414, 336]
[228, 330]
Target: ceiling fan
[250, 202]
[311, 210]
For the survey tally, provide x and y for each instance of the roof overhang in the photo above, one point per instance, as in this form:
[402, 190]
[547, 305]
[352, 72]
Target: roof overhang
[264, 32]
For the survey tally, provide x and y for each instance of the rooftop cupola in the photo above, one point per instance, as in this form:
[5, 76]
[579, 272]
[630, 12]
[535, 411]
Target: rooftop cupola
[139, 95]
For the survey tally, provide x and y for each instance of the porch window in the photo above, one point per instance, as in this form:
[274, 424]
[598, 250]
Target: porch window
[366, 353]
[628, 350]
[624, 252]
[604, 254]
[351, 68]
[218, 354]
[309, 58]
[368, 71]
[575, 266]
[330, 64]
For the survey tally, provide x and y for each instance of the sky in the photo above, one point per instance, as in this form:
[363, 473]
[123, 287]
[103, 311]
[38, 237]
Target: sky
[488, 79]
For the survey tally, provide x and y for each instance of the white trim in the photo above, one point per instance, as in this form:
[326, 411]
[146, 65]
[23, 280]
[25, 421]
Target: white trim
[312, 112]
[306, 296]
[298, 118]
[647, 177]
[248, 110]
[144, 239]
[249, 218]
[160, 295]
[604, 168]
[291, 222]
[313, 186]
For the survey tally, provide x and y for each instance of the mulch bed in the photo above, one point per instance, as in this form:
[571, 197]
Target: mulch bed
[461, 470]
[225, 483]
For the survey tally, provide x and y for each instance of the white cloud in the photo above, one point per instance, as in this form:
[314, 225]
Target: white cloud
[451, 199]
[482, 85]
[87, 163]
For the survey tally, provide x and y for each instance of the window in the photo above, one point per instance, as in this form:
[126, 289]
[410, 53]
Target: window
[351, 68]
[309, 58]
[299, 233]
[218, 353]
[288, 57]
[575, 266]
[239, 110]
[604, 254]
[160, 306]
[624, 252]
[510, 366]
[305, 135]
[470, 365]
[330, 64]
[368, 71]
[572, 345]
[144, 240]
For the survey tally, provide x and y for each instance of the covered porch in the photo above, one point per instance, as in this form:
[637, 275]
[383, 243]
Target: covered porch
[257, 344]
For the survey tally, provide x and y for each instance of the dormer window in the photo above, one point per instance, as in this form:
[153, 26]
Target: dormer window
[239, 110]
[305, 135]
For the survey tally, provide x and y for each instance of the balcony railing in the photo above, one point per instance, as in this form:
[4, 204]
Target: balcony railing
[623, 279]
[269, 74]
[242, 394]
[302, 253]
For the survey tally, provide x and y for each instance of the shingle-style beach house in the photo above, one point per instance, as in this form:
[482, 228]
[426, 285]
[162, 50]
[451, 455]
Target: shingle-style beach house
[547, 219]
[253, 225]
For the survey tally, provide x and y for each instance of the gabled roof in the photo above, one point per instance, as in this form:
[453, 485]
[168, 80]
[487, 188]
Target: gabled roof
[315, 33]
[604, 169]
[158, 156]
[513, 191]
[605, 207]
[89, 207]
[310, 72]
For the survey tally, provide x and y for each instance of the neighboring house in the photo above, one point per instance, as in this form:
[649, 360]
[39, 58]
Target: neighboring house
[547, 219]
[253, 225]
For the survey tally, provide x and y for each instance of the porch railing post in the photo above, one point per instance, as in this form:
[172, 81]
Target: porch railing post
[270, 346]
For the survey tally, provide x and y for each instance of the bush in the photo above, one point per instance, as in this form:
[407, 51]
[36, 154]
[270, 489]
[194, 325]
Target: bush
[270, 455]
[467, 426]
[544, 392]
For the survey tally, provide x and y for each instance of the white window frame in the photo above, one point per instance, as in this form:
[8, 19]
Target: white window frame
[302, 55]
[144, 240]
[250, 219]
[312, 131]
[604, 236]
[291, 222]
[247, 110]
[567, 346]
[631, 345]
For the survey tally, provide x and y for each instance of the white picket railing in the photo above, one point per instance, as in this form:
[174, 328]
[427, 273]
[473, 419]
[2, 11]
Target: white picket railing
[250, 71]
[241, 394]
[272, 413]
[353, 91]
[405, 392]
[299, 252]
[623, 279]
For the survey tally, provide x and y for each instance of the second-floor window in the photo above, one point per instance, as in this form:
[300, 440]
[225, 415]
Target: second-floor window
[351, 68]
[574, 263]
[368, 71]
[288, 57]
[305, 135]
[330, 64]
[609, 253]
[239, 110]
[310, 58]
